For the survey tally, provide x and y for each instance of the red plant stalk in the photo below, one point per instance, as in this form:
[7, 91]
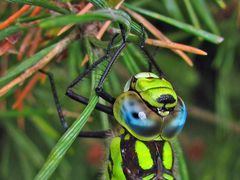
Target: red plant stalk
[13, 17]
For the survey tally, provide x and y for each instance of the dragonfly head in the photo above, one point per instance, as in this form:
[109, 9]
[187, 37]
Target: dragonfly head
[149, 108]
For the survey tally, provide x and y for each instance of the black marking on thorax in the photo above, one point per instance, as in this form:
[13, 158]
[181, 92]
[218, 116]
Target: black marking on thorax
[130, 164]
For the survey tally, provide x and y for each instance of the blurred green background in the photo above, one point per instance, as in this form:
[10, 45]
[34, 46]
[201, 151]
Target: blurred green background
[210, 89]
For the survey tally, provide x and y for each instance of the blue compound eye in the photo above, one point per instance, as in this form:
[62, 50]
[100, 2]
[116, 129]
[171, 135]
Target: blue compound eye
[137, 118]
[144, 123]
[174, 122]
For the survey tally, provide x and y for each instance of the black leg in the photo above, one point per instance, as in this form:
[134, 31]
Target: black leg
[70, 93]
[150, 58]
[95, 64]
[149, 66]
[97, 134]
[63, 122]
[99, 88]
[56, 100]
[106, 109]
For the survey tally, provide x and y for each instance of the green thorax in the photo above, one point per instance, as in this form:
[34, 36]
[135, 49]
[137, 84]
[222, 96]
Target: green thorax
[130, 158]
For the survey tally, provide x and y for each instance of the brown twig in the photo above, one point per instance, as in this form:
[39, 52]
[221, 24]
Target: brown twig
[60, 46]
[5, 46]
[70, 114]
[13, 17]
[102, 31]
[83, 11]
[107, 23]
[238, 14]
[25, 44]
[20, 119]
[20, 97]
[176, 46]
[36, 11]
[35, 43]
[158, 34]
[209, 117]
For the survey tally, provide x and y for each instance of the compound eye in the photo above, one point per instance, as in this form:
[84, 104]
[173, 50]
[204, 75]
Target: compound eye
[174, 122]
[138, 118]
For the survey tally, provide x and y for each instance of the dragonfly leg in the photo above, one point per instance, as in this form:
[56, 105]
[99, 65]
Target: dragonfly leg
[99, 88]
[97, 134]
[151, 60]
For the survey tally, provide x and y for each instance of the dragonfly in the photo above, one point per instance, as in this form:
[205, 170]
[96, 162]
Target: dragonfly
[148, 111]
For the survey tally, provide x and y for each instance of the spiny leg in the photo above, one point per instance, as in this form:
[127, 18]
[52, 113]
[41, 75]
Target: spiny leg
[97, 134]
[79, 98]
[99, 88]
[149, 66]
[89, 134]
[70, 93]
[150, 58]
[83, 99]
[56, 99]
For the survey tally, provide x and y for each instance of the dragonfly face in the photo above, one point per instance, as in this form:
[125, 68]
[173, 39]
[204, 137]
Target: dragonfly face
[149, 108]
